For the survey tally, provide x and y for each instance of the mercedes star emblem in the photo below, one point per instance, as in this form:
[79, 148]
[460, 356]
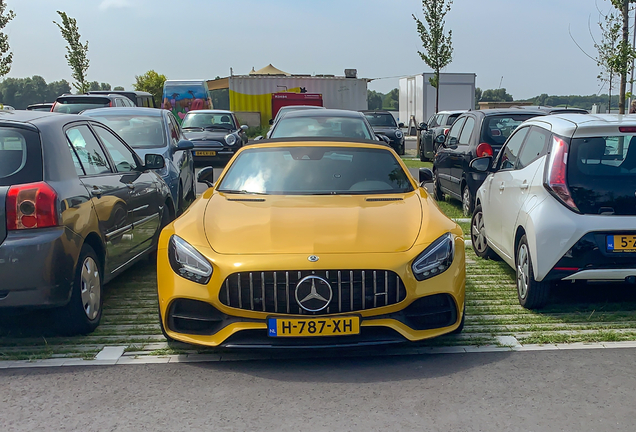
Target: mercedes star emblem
[313, 293]
[313, 258]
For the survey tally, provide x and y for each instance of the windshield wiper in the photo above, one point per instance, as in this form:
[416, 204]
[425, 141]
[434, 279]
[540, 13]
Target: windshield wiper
[216, 127]
[242, 191]
[192, 127]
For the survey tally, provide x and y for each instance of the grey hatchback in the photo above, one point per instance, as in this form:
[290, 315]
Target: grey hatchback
[77, 207]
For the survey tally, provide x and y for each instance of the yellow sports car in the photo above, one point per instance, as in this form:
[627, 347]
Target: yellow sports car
[305, 243]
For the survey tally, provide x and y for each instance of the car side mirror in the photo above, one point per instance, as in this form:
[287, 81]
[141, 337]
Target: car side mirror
[154, 162]
[258, 138]
[206, 175]
[426, 175]
[184, 145]
[452, 141]
[482, 164]
[271, 122]
[401, 125]
[423, 126]
[244, 127]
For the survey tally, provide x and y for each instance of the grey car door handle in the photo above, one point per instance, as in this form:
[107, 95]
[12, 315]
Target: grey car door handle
[501, 186]
[131, 186]
[96, 192]
[524, 185]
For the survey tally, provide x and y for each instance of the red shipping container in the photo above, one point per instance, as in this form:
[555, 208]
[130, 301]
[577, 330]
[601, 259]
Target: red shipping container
[280, 100]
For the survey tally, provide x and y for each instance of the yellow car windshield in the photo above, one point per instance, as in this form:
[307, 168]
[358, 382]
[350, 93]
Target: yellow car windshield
[316, 171]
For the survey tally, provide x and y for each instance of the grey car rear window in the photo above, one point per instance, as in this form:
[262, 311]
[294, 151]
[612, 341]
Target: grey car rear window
[20, 156]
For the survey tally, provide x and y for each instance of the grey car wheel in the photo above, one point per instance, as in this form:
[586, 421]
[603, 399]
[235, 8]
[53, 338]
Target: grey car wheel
[90, 288]
[467, 201]
[478, 235]
[532, 294]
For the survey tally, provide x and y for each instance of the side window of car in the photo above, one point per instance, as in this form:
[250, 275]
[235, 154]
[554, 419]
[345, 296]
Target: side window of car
[510, 153]
[431, 122]
[534, 148]
[123, 158]
[88, 150]
[175, 131]
[453, 133]
[76, 162]
[464, 138]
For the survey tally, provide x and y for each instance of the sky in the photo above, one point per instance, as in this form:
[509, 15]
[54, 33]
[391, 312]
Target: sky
[521, 45]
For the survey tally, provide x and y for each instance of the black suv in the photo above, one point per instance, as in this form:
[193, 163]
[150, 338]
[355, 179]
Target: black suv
[474, 134]
[383, 123]
[75, 104]
[434, 132]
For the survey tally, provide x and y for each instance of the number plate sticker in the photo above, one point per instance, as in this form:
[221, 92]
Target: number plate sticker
[294, 327]
[621, 243]
[205, 153]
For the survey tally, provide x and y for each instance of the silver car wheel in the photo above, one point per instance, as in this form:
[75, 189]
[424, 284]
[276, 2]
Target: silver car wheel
[523, 264]
[90, 288]
[479, 232]
[466, 201]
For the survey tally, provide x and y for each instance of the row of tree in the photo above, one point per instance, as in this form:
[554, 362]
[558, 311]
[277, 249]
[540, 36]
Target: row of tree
[22, 92]
[389, 101]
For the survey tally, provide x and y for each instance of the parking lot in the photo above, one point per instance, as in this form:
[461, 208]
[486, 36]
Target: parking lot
[576, 313]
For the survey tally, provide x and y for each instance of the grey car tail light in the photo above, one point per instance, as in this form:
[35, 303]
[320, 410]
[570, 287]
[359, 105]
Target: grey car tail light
[556, 173]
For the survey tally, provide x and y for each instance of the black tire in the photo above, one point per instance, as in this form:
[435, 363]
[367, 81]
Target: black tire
[532, 294]
[437, 189]
[192, 195]
[166, 218]
[84, 310]
[179, 199]
[468, 202]
[401, 150]
[478, 236]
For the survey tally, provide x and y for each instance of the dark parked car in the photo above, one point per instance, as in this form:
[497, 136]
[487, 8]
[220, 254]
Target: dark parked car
[383, 123]
[139, 98]
[40, 107]
[216, 135]
[433, 133]
[151, 130]
[474, 134]
[75, 104]
[77, 207]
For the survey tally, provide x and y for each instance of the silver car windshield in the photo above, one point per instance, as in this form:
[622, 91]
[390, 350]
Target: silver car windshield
[322, 126]
[316, 171]
[138, 131]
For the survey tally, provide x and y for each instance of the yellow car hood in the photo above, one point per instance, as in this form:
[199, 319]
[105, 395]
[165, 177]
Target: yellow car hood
[266, 224]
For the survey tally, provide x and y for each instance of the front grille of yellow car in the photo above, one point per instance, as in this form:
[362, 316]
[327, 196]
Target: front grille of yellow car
[275, 292]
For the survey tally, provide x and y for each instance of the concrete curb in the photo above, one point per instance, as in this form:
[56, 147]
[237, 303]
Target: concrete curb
[507, 344]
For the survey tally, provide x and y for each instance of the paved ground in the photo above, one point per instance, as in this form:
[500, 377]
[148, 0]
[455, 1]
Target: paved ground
[592, 390]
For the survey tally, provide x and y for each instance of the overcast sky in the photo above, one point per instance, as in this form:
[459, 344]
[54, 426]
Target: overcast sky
[524, 41]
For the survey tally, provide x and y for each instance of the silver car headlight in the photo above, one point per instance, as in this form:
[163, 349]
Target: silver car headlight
[435, 259]
[187, 262]
[398, 134]
[230, 139]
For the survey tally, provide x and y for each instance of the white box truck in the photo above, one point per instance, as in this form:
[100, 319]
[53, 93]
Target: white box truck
[417, 95]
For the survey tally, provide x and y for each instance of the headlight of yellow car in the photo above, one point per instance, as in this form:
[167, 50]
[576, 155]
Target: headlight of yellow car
[187, 262]
[435, 259]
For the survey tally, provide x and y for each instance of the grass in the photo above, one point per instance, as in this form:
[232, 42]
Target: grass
[416, 163]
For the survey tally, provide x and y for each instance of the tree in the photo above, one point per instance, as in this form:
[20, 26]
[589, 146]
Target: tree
[95, 86]
[608, 50]
[151, 82]
[438, 48]
[498, 95]
[6, 57]
[625, 54]
[374, 100]
[392, 100]
[477, 97]
[76, 51]
[22, 92]
[119, 88]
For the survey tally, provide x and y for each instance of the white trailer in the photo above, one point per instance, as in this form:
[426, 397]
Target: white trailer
[417, 95]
